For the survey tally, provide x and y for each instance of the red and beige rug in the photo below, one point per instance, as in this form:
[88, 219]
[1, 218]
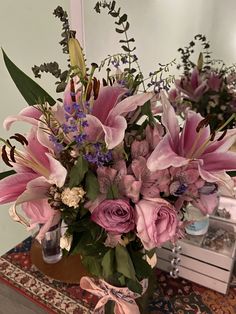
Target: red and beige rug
[172, 295]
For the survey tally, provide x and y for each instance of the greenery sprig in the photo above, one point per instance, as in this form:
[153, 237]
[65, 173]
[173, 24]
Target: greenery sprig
[53, 67]
[187, 52]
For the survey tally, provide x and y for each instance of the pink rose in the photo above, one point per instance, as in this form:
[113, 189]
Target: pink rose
[156, 222]
[115, 216]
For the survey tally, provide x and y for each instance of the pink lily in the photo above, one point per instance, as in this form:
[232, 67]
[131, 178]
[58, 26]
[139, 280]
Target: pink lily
[193, 85]
[36, 170]
[33, 115]
[29, 114]
[178, 148]
[107, 118]
[214, 81]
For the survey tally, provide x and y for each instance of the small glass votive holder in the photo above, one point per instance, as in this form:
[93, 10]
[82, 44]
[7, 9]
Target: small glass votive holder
[51, 250]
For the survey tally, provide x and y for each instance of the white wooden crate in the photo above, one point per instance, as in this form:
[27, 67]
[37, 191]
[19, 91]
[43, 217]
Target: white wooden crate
[203, 266]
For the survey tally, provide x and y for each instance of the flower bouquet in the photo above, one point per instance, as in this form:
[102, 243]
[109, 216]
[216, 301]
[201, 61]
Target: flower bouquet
[206, 86]
[103, 163]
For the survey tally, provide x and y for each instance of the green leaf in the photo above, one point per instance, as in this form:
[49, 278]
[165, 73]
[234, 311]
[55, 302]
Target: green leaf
[110, 307]
[28, 88]
[126, 26]
[142, 268]
[92, 185]
[78, 172]
[122, 280]
[108, 263]
[124, 263]
[93, 265]
[113, 192]
[113, 4]
[6, 174]
[146, 110]
[126, 49]
[97, 8]
[231, 173]
[151, 252]
[114, 14]
[120, 31]
[122, 19]
[83, 211]
[134, 286]
[127, 41]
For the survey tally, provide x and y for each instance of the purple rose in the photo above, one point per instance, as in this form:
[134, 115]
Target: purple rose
[115, 216]
[156, 222]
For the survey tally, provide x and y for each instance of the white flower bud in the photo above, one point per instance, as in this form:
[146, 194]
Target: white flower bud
[65, 242]
[72, 197]
[152, 261]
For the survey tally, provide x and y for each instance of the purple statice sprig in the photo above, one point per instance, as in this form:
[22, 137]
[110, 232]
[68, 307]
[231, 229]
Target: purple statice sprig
[58, 146]
[74, 111]
[159, 81]
[98, 155]
[75, 123]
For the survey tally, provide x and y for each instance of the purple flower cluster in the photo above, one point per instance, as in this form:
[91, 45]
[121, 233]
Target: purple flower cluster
[98, 156]
[57, 145]
[74, 111]
[80, 138]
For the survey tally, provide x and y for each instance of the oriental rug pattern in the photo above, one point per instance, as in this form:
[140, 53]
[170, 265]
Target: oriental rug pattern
[171, 296]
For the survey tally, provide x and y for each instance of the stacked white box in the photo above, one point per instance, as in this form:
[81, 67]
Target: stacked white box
[201, 265]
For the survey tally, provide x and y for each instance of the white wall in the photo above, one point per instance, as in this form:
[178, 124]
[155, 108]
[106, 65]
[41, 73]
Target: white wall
[29, 33]
[160, 27]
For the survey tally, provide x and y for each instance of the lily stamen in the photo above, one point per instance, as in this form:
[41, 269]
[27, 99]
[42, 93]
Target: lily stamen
[191, 153]
[213, 134]
[12, 152]
[222, 135]
[203, 123]
[18, 157]
[203, 147]
[5, 156]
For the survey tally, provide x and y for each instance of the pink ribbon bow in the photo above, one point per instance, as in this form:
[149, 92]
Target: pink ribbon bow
[124, 298]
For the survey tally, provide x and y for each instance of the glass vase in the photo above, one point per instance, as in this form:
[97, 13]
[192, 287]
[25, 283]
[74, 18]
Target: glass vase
[51, 249]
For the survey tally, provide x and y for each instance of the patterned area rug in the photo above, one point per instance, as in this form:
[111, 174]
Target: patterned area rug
[172, 295]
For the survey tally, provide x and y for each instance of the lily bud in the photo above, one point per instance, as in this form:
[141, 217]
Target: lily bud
[200, 61]
[76, 55]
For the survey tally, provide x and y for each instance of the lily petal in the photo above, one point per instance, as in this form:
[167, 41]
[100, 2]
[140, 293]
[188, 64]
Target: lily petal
[224, 181]
[29, 114]
[189, 133]
[107, 99]
[219, 161]
[164, 156]
[35, 149]
[13, 186]
[57, 171]
[207, 203]
[113, 132]
[129, 104]
[169, 119]
[224, 144]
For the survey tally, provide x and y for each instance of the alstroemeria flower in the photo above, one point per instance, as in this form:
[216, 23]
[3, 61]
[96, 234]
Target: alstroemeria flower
[178, 148]
[151, 183]
[107, 119]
